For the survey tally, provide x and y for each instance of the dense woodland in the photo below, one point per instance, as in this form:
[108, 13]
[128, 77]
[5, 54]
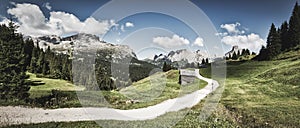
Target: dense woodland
[103, 72]
[282, 39]
[14, 85]
[19, 56]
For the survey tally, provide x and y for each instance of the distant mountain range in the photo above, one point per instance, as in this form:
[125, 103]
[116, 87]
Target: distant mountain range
[81, 42]
[182, 55]
[91, 43]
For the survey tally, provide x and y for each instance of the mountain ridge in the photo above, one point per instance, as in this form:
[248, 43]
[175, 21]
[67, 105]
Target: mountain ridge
[80, 42]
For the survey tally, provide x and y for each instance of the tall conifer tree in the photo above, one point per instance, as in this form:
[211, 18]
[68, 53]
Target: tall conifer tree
[294, 27]
[13, 83]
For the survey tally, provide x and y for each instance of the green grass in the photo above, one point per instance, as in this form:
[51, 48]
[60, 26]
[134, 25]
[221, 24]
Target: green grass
[148, 92]
[50, 84]
[257, 94]
[171, 89]
[142, 90]
[158, 88]
[264, 94]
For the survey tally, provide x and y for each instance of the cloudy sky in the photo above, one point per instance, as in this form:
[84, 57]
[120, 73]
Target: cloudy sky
[235, 22]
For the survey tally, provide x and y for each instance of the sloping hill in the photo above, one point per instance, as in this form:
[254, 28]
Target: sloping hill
[159, 87]
[264, 93]
[150, 112]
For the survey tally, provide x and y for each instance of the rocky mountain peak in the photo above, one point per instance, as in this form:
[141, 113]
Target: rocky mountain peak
[81, 42]
[181, 55]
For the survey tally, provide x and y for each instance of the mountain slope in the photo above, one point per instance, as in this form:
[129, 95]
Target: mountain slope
[114, 66]
[264, 93]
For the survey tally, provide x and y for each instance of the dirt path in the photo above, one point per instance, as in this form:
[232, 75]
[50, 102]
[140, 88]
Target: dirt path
[18, 115]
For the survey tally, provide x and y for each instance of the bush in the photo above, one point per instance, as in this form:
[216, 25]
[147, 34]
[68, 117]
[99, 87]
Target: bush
[56, 99]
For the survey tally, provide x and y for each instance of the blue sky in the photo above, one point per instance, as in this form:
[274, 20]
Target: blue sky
[235, 20]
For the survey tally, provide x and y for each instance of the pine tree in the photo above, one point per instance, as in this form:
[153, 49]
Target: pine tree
[65, 68]
[28, 47]
[263, 54]
[273, 42]
[198, 65]
[247, 52]
[48, 53]
[203, 61]
[207, 61]
[284, 36]
[33, 62]
[243, 52]
[234, 56]
[229, 57]
[45, 68]
[40, 62]
[13, 83]
[166, 67]
[238, 54]
[294, 28]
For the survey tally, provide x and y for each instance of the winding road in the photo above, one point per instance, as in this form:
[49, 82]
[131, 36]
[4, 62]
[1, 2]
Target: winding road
[22, 115]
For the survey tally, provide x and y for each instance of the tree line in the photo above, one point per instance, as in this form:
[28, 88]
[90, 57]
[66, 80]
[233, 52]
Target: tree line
[14, 85]
[236, 56]
[19, 56]
[105, 72]
[282, 39]
[47, 63]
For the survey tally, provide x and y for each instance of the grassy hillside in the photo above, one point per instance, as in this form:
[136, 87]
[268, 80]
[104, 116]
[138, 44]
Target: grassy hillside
[257, 94]
[144, 90]
[147, 92]
[46, 85]
[159, 87]
[264, 94]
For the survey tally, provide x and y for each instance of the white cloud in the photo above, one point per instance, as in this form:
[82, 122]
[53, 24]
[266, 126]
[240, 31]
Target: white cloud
[30, 18]
[69, 23]
[222, 34]
[129, 24]
[251, 41]
[232, 28]
[199, 42]
[236, 35]
[47, 5]
[33, 22]
[171, 42]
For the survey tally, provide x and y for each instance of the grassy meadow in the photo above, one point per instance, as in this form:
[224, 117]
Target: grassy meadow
[257, 94]
[264, 94]
[47, 85]
[147, 92]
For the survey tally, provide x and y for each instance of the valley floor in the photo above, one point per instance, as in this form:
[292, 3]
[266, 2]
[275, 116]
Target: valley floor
[21, 115]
